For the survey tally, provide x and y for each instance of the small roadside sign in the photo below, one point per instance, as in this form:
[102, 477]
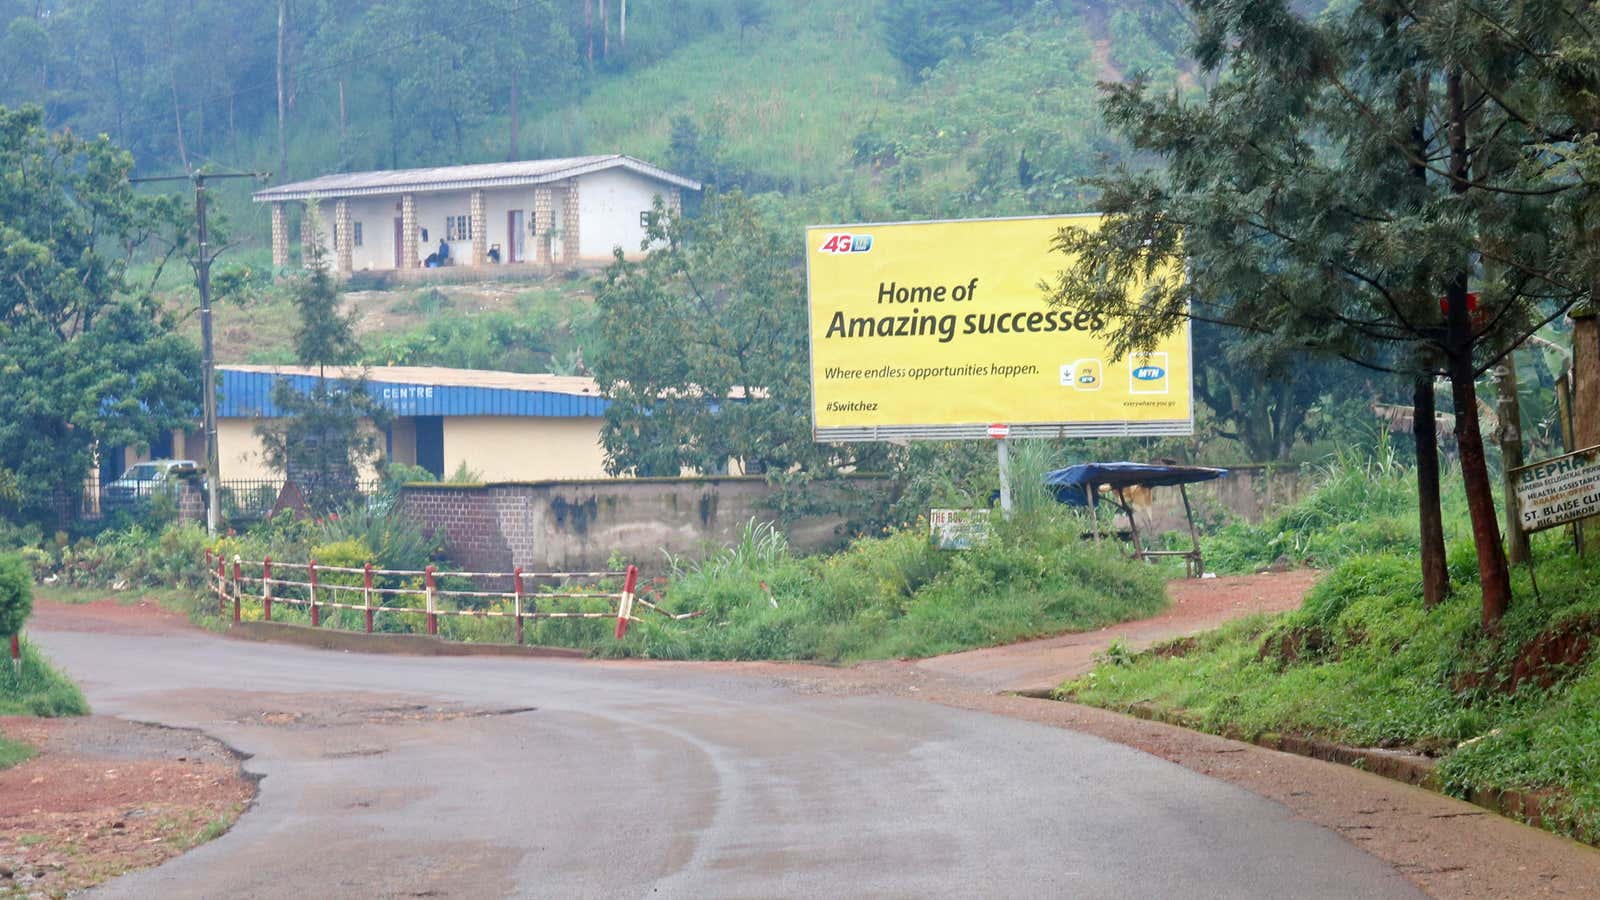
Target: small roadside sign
[999, 431]
[958, 529]
[1559, 490]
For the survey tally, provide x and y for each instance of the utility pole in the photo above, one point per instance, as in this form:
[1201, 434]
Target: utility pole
[202, 261]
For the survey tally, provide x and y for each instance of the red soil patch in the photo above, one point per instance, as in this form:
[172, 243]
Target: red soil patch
[104, 796]
[109, 616]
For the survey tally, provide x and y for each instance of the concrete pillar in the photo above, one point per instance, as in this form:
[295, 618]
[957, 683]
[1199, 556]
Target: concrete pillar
[344, 237]
[543, 223]
[480, 231]
[569, 224]
[408, 231]
[675, 201]
[280, 236]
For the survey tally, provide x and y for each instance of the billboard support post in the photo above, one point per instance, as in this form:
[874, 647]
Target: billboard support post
[1004, 446]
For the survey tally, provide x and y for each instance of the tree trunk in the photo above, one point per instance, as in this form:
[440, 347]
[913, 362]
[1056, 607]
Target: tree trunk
[1492, 570]
[511, 150]
[177, 117]
[605, 29]
[1509, 435]
[1459, 342]
[1425, 431]
[283, 144]
[622, 23]
[588, 30]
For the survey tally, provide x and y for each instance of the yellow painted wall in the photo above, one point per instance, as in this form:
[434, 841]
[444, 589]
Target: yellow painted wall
[514, 448]
[240, 456]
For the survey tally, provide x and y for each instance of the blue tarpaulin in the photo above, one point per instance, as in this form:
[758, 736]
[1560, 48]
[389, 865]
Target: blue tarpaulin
[1069, 483]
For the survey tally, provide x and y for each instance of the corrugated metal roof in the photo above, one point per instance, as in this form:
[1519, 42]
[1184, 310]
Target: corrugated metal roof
[458, 178]
[246, 391]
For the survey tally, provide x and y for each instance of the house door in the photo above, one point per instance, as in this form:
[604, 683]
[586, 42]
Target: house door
[399, 242]
[514, 239]
[430, 444]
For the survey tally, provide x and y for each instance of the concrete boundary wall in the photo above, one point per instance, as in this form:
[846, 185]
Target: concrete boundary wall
[565, 525]
[568, 525]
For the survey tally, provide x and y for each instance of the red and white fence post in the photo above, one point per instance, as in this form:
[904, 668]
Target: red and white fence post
[316, 618]
[367, 594]
[238, 589]
[625, 602]
[222, 584]
[432, 589]
[266, 589]
[516, 586]
[16, 651]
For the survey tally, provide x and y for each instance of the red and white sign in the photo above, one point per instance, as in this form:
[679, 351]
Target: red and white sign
[999, 431]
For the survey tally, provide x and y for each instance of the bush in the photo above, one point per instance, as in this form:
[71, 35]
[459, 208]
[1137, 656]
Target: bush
[16, 594]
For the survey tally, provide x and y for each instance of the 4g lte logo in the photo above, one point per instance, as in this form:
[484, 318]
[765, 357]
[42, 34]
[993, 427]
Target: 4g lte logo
[846, 243]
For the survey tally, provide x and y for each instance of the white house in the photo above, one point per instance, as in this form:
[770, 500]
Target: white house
[545, 212]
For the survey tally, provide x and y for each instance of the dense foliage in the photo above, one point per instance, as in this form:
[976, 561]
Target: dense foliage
[16, 594]
[86, 355]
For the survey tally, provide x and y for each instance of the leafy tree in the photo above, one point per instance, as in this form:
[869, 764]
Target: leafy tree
[1267, 396]
[1346, 183]
[704, 350]
[86, 355]
[922, 32]
[16, 593]
[328, 432]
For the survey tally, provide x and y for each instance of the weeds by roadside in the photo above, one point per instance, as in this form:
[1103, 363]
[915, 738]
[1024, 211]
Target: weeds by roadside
[1363, 663]
[37, 689]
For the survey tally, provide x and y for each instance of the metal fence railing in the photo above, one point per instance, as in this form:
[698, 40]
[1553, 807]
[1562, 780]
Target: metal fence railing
[240, 500]
[402, 592]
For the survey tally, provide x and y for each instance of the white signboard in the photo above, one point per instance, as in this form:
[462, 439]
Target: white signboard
[958, 529]
[1559, 490]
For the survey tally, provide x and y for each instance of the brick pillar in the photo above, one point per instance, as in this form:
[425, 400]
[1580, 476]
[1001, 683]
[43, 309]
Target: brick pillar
[480, 231]
[569, 224]
[344, 237]
[543, 222]
[307, 237]
[280, 236]
[408, 231]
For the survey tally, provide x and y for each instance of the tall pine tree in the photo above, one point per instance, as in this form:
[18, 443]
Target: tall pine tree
[1394, 183]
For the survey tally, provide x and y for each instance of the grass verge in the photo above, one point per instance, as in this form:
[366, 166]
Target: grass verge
[1363, 663]
[13, 752]
[37, 689]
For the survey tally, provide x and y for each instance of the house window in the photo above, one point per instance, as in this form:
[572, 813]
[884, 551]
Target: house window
[458, 228]
[355, 233]
[644, 219]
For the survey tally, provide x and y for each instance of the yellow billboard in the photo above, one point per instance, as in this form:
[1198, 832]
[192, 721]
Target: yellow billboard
[938, 330]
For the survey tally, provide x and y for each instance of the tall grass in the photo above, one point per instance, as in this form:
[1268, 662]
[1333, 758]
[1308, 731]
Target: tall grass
[38, 689]
[1361, 504]
[895, 595]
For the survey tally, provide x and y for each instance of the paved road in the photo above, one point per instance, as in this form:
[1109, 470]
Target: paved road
[389, 776]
